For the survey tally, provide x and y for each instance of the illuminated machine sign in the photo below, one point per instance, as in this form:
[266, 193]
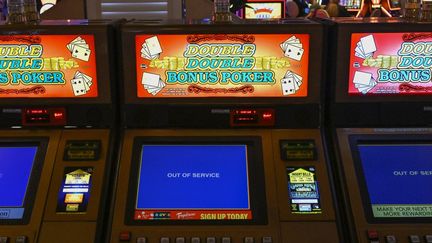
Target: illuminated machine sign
[48, 66]
[222, 65]
[75, 191]
[16, 168]
[398, 178]
[390, 64]
[264, 10]
[193, 182]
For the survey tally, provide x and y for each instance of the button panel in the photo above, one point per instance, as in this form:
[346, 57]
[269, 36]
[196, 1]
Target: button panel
[428, 238]
[127, 236]
[4, 239]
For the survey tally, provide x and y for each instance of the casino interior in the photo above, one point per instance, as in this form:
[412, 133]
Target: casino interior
[216, 121]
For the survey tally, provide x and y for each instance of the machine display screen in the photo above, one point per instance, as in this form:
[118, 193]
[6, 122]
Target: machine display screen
[197, 180]
[222, 65]
[48, 66]
[193, 182]
[390, 64]
[16, 167]
[398, 178]
[264, 10]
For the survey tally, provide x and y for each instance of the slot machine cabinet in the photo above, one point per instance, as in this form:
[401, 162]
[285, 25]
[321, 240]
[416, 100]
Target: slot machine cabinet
[188, 131]
[56, 138]
[382, 129]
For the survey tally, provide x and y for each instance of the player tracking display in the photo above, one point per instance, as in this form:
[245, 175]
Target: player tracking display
[222, 65]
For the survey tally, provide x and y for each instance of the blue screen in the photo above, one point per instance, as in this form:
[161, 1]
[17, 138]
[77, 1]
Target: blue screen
[193, 177]
[398, 174]
[16, 165]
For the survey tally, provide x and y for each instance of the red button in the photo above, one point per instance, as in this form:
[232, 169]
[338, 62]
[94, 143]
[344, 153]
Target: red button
[372, 234]
[125, 236]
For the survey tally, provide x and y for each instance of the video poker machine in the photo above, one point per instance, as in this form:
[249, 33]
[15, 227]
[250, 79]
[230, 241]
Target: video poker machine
[381, 116]
[56, 134]
[222, 139]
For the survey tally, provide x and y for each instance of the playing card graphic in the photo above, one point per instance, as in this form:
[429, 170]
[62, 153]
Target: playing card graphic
[152, 83]
[293, 48]
[365, 47]
[291, 83]
[81, 83]
[79, 49]
[364, 82]
[151, 48]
